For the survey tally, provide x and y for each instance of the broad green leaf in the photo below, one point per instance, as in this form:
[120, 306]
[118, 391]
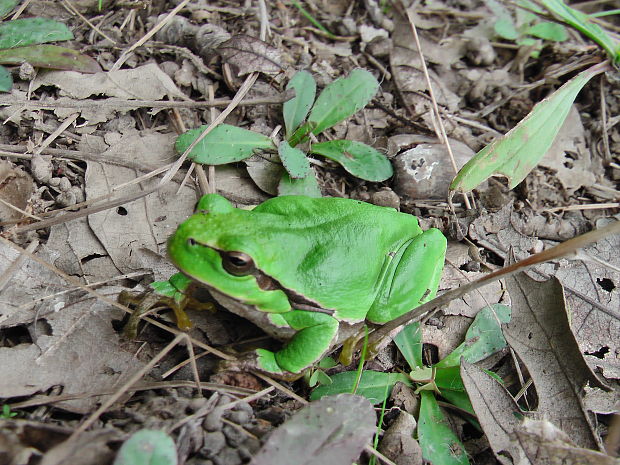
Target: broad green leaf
[49, 56]
[548, 31]
[29, 31]
[296, 109]
[147, 447]
[224, 144]
[517, 153]
[359, 159]
[484, 337]
[294, 160]
[6, 6]
[307, 186]
[374, 385]
[409, 342]
[439, 443]
[582, 23]
[342, 98]
[6, 80]
[505, 28]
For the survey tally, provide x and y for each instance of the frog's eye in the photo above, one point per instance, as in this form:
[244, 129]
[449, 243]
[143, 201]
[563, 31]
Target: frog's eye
[237, 263]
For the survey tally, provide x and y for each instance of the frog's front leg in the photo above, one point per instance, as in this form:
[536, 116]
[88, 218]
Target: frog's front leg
[314, 337]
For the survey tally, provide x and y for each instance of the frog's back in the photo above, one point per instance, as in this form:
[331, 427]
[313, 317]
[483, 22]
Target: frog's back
[333, 249]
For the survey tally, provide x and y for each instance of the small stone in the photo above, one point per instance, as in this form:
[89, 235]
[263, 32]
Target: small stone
[213, 420]
[64, 185]
[386, 198]
[239, 417]
[213, 443]
[27, 72]
[234, 436]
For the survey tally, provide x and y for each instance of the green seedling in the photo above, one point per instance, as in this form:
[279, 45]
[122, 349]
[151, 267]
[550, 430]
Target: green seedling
[484, 337]
[525, 28]
[516, 153]
[21, 39]
[304, 119]
[6, 412]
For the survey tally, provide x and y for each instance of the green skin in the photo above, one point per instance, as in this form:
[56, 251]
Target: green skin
[305, 267]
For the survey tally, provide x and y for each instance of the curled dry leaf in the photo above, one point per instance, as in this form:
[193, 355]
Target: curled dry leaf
[249, 54]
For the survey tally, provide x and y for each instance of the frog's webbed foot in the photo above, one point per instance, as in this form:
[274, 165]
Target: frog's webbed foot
[155, 298]
[260, 360]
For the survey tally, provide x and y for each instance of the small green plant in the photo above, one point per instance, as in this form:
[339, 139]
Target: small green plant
[484, 337]
[524, 27]
[516, 153]
[6, 412]
[20, 41]
[304, 118]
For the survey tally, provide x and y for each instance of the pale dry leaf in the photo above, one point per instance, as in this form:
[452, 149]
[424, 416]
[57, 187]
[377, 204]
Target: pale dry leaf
[78, 252]
[16, 187]
[146, 82]
[406, 68]
[453, 276]
[544, 444]
[126, 231]
[540, 334]
[27, 283]
[605, 402]
[597, 329]
[398, 443]
[569, 156]
[76, 348]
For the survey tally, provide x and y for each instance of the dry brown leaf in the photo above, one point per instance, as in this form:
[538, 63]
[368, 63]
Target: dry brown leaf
[249, 54]
[16, 187]
[146, 82]
[498, 413]
[540, 334]
[76, 348]
[544, 444]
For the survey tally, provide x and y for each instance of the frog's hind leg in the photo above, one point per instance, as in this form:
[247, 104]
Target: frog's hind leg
[315, 333]
[413, 279]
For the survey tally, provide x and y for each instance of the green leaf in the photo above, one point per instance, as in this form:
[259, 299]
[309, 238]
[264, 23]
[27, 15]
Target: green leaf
[6, 6]
[439, 443]
[294, 160]
[49, 56]
[342, 98]
[505, 28]
[307, 186]
[582, 23]
[296, 109]
[147, 447]
[409, 342]
[517, 153]
[6, 80]
[374, 385]
[224, 144]
[359, 159]
[29, 31]
[548, 31]
[484, 337]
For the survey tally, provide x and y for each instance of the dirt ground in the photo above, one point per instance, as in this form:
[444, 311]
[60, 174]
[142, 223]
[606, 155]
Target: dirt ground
[89, 194]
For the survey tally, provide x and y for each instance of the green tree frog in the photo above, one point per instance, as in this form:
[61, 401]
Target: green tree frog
[306, 270]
